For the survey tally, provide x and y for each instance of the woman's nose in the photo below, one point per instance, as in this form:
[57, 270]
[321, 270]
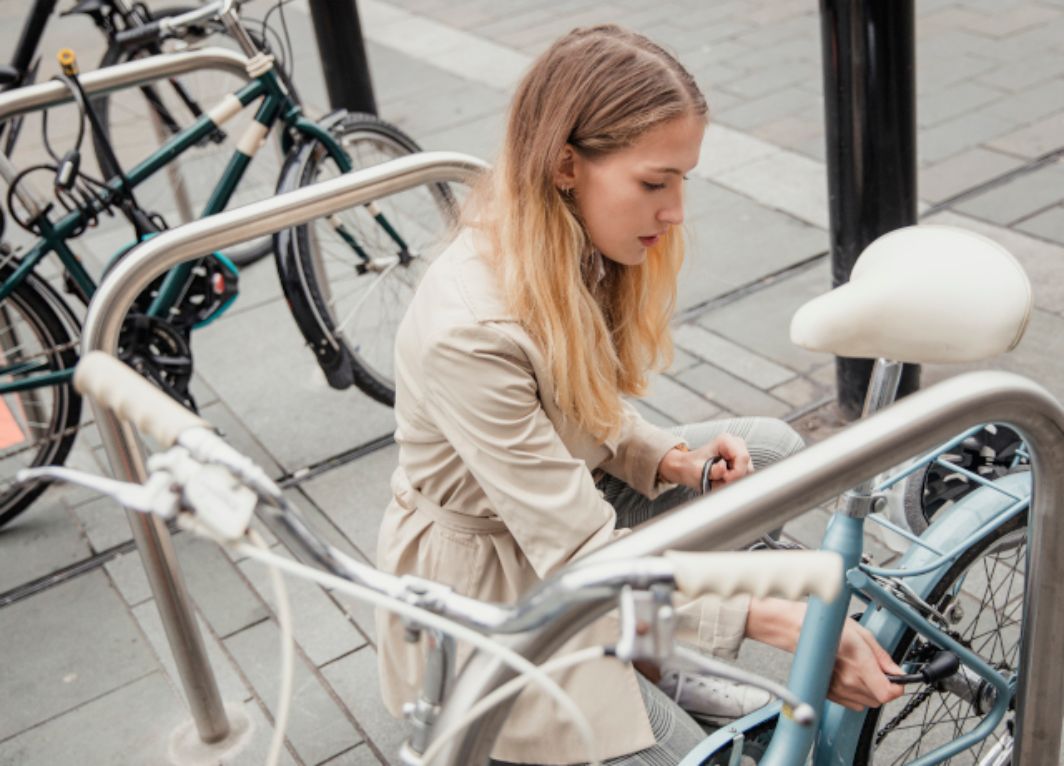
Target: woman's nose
[672, 214]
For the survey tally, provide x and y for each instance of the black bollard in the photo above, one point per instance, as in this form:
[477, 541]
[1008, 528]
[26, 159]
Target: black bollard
[870, 128]
[343, 55]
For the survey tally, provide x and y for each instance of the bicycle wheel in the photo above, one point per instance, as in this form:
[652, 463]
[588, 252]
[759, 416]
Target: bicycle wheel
[360, 302]
[981, 594]
[38, 425]
[138, 121]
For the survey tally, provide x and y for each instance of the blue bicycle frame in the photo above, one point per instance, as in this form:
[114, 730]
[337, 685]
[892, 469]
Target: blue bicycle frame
[889, 618]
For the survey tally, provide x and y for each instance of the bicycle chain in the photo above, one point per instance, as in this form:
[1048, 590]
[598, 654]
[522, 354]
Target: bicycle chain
[920, 697]
[910, 707]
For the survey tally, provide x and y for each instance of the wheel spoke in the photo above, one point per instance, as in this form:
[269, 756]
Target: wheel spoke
[991, 604]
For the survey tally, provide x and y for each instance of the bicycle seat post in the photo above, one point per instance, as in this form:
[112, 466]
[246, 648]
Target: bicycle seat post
[882, 389]
[882, 386]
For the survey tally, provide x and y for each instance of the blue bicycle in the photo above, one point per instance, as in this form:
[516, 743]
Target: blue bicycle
[950, 610]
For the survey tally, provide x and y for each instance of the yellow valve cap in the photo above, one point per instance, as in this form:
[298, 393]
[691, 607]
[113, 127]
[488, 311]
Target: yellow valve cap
[68, 61]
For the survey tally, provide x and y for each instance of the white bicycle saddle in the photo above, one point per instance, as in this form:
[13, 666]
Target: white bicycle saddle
[922, 294]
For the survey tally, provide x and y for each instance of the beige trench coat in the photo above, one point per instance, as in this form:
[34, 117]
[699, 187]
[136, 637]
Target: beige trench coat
[494, 492]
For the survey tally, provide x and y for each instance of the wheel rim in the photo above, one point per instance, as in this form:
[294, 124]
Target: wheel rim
[366, 302]
[33, 423]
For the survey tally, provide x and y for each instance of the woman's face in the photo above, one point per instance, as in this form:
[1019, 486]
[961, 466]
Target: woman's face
[628, 199]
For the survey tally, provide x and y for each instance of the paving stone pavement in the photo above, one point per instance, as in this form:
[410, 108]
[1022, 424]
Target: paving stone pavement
[88, 678]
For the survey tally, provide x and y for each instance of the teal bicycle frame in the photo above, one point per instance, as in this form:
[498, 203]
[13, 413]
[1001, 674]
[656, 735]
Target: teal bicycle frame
[888, 617]
[276, 105]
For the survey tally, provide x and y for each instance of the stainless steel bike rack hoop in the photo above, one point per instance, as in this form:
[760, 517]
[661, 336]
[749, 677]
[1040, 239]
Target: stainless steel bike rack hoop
[130, 74]
[109, 307]
[744, 511]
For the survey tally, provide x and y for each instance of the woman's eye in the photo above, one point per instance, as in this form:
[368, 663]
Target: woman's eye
[652, 187]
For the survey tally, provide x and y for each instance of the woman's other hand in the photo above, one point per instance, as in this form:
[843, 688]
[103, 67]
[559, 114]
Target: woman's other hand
[859, 678]
[683, 467]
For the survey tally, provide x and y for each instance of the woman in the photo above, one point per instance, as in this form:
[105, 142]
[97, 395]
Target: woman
[518, 453]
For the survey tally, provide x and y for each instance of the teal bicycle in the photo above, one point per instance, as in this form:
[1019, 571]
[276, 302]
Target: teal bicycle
[346, 279]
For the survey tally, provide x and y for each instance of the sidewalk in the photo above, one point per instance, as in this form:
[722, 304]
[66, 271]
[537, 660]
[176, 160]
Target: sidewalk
[87, 677]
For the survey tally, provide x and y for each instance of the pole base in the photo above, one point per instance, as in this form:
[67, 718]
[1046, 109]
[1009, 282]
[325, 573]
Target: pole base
[186, 747]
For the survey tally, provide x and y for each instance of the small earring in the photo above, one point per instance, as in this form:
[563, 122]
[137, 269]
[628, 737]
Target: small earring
[567, 192]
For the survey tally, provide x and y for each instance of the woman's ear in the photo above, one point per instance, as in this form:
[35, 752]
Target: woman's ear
[565, 172]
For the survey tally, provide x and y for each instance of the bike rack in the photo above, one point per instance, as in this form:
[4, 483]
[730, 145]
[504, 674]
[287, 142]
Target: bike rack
[742, 512]
[120, 76]
[108, 308]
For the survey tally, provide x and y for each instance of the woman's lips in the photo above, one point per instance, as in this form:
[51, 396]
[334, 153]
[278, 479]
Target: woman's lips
[650, 241]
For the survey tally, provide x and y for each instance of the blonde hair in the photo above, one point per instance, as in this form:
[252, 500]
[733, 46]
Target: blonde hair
[597, 90]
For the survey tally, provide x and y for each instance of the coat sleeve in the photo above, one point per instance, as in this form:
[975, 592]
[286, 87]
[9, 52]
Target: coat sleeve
[640, 448]
[480, 391]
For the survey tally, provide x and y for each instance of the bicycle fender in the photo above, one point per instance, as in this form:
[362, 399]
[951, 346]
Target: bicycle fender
[841, 727]
[331, 356]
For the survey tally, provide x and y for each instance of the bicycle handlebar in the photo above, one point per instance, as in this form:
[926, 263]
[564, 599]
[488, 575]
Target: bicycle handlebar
[155, 30]
[787, 574]
[131, 397]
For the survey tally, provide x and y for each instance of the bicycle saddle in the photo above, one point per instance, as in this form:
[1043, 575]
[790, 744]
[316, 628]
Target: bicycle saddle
[922, 294]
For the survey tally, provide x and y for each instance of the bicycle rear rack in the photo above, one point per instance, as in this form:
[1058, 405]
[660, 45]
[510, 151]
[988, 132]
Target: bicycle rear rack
[103, 322]
[724, 520]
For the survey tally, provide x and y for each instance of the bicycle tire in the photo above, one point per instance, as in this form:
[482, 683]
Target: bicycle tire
[264, 177]
[1005, 551]
[423, 216]
[31, 328]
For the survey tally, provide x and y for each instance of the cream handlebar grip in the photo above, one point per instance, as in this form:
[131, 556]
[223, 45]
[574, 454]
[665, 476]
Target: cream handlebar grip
[129, 396]
[786, 574]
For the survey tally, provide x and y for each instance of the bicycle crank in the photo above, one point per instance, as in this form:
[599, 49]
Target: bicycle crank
[160, 352]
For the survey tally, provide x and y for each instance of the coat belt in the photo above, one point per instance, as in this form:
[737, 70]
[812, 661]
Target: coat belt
[409, 498]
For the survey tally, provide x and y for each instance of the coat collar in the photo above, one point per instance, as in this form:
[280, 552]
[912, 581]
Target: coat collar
[483, 297]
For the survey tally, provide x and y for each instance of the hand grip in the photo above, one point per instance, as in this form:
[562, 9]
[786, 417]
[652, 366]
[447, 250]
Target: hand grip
[787, 574]
[129, 396]
[137, 36]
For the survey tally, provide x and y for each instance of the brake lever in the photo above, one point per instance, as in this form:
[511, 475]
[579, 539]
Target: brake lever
[155, 496]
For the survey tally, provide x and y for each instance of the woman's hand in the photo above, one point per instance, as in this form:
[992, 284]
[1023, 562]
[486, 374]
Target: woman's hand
[683, 467]
[858, 680]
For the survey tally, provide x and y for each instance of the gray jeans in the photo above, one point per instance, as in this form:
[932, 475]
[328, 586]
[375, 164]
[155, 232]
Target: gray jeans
[768, 440]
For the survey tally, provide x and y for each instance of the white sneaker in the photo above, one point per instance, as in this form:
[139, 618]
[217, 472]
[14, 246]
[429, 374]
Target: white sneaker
[710, 697]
